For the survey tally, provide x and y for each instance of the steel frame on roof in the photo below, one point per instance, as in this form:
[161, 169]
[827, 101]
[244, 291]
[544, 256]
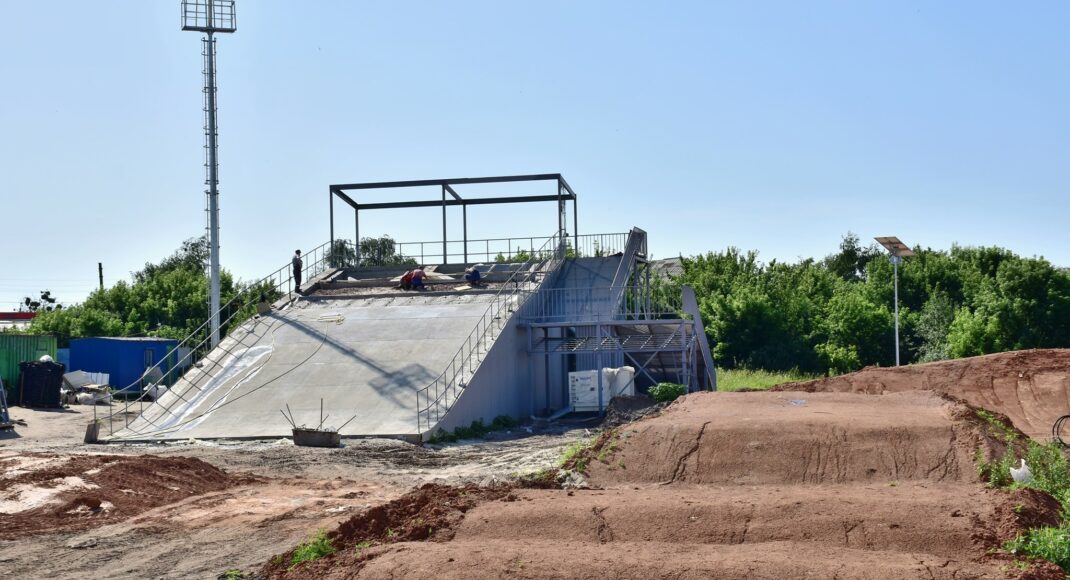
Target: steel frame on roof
[564, 194]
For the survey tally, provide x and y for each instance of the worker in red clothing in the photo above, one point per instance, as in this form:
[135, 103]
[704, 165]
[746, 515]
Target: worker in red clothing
[418, 276]
[406, 280]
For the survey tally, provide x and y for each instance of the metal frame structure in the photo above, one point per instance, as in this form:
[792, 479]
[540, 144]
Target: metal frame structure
[564, 194]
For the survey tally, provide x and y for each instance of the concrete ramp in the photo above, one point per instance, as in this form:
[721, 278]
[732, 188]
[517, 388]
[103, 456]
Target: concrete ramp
[363, 357]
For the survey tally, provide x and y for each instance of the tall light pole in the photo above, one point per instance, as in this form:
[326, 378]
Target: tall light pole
[897, 250]
[210, 17]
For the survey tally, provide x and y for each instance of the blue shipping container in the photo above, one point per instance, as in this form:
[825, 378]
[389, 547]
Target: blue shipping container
[125, 359]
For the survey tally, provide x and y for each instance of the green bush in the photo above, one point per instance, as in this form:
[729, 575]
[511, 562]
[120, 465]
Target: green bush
[317, 546]
[477, 430]
[1051, 544]
[666, 392]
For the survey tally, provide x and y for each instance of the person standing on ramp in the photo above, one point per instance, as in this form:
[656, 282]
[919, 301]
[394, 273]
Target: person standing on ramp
[297, 271]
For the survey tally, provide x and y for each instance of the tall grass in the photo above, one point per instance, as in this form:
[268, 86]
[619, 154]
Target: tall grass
[735, 379]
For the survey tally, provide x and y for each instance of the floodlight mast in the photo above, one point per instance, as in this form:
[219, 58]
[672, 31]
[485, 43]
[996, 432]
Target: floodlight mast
[209, 17]
[897, 251]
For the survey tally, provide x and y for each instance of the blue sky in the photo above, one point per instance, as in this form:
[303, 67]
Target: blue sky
[775, 126]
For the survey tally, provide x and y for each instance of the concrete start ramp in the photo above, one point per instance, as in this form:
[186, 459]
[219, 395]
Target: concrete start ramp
[365, 359]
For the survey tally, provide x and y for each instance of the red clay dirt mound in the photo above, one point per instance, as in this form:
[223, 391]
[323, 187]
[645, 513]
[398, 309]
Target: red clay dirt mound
[764, 438]
[47, 493]
[429, 513]
[1031, 387]
[724, 485]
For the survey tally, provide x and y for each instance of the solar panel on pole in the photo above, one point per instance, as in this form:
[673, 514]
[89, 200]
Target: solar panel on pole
[897, 250]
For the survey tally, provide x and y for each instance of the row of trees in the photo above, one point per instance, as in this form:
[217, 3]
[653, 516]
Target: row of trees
[168, 299]
[835, 315]
[830, 315]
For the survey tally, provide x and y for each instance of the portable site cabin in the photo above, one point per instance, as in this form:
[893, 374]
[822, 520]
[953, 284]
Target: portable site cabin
[124, 359]
[19, 348]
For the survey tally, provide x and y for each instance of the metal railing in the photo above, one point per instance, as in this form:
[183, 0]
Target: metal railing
[175, 364]
[604, 303]
[508, 249]
[434, 400]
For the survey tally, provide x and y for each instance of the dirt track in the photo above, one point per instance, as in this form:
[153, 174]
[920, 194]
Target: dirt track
[873, 479]
[730, 485]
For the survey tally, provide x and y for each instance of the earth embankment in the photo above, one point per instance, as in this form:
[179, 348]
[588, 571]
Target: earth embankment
[726, 485]
[1031, 387]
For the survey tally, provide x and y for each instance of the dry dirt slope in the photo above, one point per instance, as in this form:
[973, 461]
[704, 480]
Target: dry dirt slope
[1031, 387]
[726, 485]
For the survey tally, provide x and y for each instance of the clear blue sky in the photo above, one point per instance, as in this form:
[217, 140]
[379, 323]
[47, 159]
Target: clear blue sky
[775, 126]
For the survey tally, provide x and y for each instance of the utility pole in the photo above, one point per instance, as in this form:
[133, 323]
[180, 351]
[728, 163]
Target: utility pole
[100, 273]
[210, 17]
[897, 250]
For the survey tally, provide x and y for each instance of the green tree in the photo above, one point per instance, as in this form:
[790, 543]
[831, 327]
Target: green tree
[382, 252]
[168, 299]
[851, 261]
[933, 326]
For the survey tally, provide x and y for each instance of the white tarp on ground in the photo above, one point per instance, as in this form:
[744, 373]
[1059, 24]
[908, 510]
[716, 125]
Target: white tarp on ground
[79, 379]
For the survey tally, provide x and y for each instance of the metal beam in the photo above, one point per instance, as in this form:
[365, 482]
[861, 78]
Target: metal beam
[451, 191]
[456, 181]
[344, 197]
[454, 202]
[562, 181]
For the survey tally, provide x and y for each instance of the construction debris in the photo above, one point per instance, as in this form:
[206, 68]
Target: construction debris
[82, 388]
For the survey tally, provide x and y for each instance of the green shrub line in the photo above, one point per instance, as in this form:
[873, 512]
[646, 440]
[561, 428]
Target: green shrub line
[1049, 467]
[477, 430]
[667, 392]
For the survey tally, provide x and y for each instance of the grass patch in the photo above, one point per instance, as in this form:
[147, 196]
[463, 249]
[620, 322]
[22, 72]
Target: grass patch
[574, 455]
[1051, 473]
[317, 546]
[1051, 544]
[477, 430]
[232, 574]
[731, 380]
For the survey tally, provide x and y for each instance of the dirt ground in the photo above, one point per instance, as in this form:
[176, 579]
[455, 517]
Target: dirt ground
[261, 498]
[724, 485]
[871, 475]
[1032, 387]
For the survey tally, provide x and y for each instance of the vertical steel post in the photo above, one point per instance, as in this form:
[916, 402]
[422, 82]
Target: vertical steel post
[895, 268]
[598, 357]
[331, 204]
[444, 259]
[464, 222]
[546, 364]
[213, 180]
[356, 234]
[575, 225]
